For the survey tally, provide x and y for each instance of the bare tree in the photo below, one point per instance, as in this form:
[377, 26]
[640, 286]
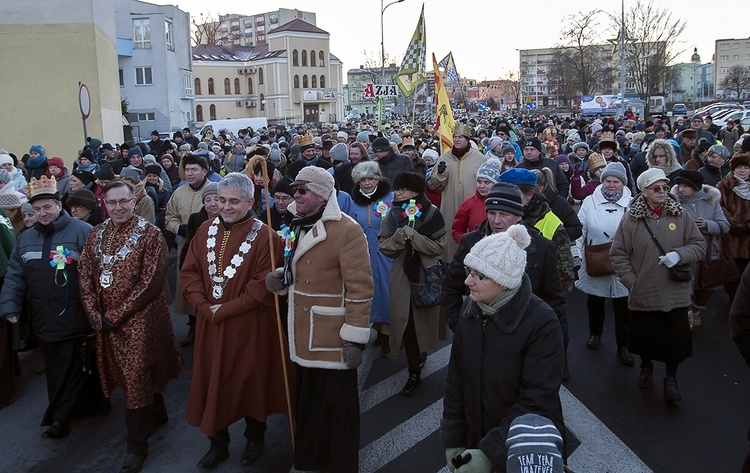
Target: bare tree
[371, 60]
[510, 86]
[654, 45]
[207, 30]
[736, 81]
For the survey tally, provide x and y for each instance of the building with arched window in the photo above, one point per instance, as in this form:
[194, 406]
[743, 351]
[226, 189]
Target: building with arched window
[278, 87]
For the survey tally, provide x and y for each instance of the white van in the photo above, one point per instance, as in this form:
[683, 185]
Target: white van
[233, 125]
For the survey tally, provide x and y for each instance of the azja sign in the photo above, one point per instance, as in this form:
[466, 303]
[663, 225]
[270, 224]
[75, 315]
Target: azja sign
[377, 90]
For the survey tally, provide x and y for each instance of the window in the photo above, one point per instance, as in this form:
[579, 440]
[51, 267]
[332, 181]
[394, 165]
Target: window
[295, 58]
[747, 45]
[236, 86]
[249, 86]
[143, 76]
[320, 57]
[723, 70]
[736, 57]
[259, 20]
[199, 113]
[227, 87]
[211, 86]
[314, 81]
[304, 58]
[296, 81]
[146, 117]
[187, 83]
[735, 45]
[747, 56]
[262, 102]
[122, 78]
[304, 81]
[260, 76]
[197, 84]
[169, 35]
[212, 112]
[322, 82]
[261, 29]
[312, 58]
[724, 47]
[141, 34]
[724, 58]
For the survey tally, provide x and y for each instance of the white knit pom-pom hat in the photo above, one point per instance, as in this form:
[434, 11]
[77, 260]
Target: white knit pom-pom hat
[501, 257]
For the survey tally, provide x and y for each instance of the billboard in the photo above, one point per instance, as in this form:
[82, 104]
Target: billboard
[598, 104]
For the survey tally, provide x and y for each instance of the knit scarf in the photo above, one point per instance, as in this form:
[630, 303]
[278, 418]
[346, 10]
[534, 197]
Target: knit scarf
[37, 162]
[612, 197]
[742, 188]
[59, 174]
[488, 310]
[460, 152]
[300, 224]
[308, 163]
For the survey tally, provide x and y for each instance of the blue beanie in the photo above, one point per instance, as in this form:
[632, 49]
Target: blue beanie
[135, 150]
[38, 149]
[518, 176]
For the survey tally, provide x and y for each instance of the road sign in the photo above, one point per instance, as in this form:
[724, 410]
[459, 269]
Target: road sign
[84, 100]
[531, 105]
[378, 90]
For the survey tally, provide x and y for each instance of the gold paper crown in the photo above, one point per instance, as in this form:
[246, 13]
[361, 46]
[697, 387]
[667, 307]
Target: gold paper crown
[462, 129]
[407, 141]
[608, 136]
[306, 140]
[596, 160]
[44, 185]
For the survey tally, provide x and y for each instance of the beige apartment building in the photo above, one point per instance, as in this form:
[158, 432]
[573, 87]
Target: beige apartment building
[729, 53]
[291, 78]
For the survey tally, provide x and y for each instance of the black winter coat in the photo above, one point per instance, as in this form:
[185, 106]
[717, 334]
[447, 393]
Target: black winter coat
[541, 267]
[502, 367]
[561, 181]
[739, 317]
[562, 210]
[392, 164]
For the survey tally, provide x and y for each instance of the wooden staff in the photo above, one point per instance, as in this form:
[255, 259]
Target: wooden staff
[282, 342]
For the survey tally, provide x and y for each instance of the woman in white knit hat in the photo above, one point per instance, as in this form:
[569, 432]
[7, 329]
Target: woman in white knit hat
[507, 356]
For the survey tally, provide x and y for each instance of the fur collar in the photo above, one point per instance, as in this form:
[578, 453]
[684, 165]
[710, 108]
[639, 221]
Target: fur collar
[509, 316]
[384, 187]
[639, 209]
[710, 194]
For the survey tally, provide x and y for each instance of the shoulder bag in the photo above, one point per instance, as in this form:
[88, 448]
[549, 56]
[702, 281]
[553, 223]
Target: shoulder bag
[679, 272]
[713, 273]
[598, 263]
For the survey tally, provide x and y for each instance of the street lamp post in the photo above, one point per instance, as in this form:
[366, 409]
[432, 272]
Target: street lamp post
[382, 39]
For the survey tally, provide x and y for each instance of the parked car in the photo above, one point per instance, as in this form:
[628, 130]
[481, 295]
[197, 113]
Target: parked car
[679, 109]
[738, 116]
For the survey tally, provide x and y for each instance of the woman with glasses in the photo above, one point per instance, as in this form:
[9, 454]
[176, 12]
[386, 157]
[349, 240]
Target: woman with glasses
[659, 328]
[414, 235]
[283, 195]
[661, 155]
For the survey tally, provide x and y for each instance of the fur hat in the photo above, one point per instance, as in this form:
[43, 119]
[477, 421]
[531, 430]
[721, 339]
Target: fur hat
[84, 198]
[501, 257]
[739, 159]
[534, 442]
[650, 176]
[190, 158]
[365, 169]
[490, 170]
[430, 154]
[411, 181]
[316, 180]
[505, 197]
[615, 170]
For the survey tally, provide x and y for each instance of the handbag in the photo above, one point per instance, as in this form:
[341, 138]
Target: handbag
[715, 272]
[598, 263]
[429, 294]
[679, 272]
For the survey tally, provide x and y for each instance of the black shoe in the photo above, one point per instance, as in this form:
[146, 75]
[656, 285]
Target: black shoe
[644, 379]
[57, 430]
[671, 392]
[411, 384]
[189, 338]
[566, 369]
[133, 463]
[422, 360]
[624, 356]
[252, 452]
[593, 342]
[159, 413]
[216, 454]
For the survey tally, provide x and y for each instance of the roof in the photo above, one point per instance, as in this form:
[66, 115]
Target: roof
[222, 52]
[298, 26]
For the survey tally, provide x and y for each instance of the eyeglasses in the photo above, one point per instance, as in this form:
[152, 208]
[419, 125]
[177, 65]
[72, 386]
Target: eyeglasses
[658, 188]
[300, 191]
[121, 203]
[474, 274]
[283, 198]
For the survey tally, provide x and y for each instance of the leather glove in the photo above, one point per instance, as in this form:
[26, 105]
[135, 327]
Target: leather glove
[441, 167]
[670, 259]
[107, 326]
[479, 462]
[351, 355]
[275, 280]
[182, 230]
[451, 453]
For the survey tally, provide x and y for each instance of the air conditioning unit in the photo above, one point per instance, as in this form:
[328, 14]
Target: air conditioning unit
[238, 103]
[251, 70]
[241, 71]
[250, 104]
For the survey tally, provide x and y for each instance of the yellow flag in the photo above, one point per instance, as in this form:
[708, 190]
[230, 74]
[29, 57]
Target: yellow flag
[444, 124]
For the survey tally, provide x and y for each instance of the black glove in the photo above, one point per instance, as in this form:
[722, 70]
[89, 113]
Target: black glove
[441, 167]
[182, 230]
[107, 325]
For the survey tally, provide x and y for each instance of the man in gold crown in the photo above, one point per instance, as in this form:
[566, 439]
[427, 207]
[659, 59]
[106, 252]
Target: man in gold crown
[44, 268]
[122, 269]
[306, 158]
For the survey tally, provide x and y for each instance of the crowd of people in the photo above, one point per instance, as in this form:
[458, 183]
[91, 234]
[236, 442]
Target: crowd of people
[299, 246]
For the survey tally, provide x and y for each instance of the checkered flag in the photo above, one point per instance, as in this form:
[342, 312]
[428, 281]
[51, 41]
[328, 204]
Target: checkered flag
[411, 74]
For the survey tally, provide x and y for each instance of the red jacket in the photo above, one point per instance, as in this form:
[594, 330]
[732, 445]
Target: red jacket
[469, 216]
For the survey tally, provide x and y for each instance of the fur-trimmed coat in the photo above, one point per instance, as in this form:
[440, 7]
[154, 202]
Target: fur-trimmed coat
[635, 257]
[483, 397]
[706, 204]
[737, 210]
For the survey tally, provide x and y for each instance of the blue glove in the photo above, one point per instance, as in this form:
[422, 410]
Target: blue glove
[479, 462]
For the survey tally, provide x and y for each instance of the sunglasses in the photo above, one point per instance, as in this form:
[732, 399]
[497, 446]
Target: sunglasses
[300, 190]
[659, 188]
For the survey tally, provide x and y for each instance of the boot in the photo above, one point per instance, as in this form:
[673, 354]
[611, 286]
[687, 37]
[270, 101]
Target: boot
[566, 369]
[160, 414]
[189, 338]
[644, 379]
[671, 391]
[695, 318]
[625, 357]
[218, 452]
[134, 460]
[252, 452]
[411, 384]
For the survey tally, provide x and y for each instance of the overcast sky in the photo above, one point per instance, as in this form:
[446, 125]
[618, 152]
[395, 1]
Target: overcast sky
[483, 35]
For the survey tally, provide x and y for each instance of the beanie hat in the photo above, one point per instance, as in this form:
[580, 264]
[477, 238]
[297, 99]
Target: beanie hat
[595, 128]
[87, 154]
[294, 151]
[363, 136]
[534, 143]
[84, 198]
[38, 149]
[284, 185]
[561, 158]
[501, 256]
[494, 141]
[505, 197]
[27, 208]
[342, 134]
[650, 176]
[105, 173]
[380, 144]
[11, 199]
[153, 169]
[615, 170]
[411, 181]
[149, 158]
[132, 173]
[739, 159]
[518, 176]
[396, 139]
[6, 159]
[717, 149]
[430, 154]
[135, 150]
[581, 144]
[211, 188]
[574, 137]
[365, 169]
[533, 443]
[490, 170]
[340, 152]
[316, 180]
[693, 179]
[275, 154]
[87, 177]
[56, 161]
